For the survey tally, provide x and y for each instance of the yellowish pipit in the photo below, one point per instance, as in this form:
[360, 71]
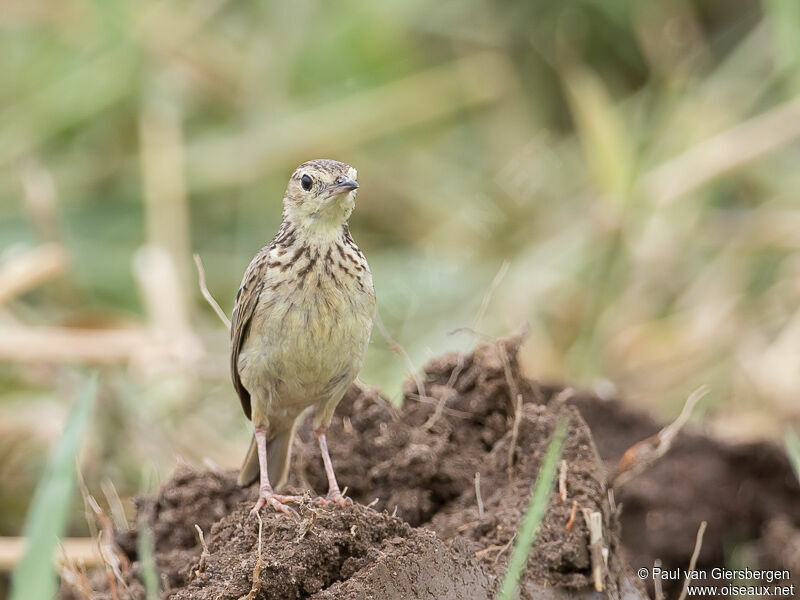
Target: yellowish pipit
[300, 325]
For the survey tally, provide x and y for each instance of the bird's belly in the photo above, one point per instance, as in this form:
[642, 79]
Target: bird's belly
[305, 349]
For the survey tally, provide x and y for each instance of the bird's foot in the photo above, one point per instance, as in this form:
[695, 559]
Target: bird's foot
[334, 497]
[277, 501]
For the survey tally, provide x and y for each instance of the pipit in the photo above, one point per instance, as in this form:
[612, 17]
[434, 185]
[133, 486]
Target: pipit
[300, 326]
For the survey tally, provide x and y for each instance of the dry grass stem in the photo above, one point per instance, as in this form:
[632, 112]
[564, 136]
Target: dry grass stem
[562, 481]
[201, 565]
[698, 545]
[308, 526]
[164, 192]
[201, 276]
[645, 453]
[22, 344]
[112, 585]
[450, 392]
[484, 551]
[88, 510]
[75, 577]
[453, 412]
[505, 547]
[23, 272]
[113, 559]
[499, 549]
[727, 151]
[441, 406]
[516, 398]
[84, 578]
[657, 587]
[478, 493]
[398, 349]
[594, 523]
[512, 446]
[563, 396]
[466, 526]
[76, 550]
[487, 297]
[347, 425]
[115, 503]
[572, 513]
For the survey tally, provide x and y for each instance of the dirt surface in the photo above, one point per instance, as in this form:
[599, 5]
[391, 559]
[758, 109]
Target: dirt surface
[417, 528]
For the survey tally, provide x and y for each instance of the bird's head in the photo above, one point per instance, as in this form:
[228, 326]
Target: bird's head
[321, 194]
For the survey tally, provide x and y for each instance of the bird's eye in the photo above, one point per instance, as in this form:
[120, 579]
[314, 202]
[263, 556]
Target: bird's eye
[306, 182]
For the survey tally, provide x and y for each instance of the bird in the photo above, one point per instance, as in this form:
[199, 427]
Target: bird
[300, 327]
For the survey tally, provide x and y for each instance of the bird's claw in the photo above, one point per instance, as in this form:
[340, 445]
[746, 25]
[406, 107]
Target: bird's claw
[276, 501]
[285, 499]
[334, 497]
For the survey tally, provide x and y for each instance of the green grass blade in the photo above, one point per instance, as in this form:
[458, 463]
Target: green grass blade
[35, 575]
[793, 449]
[785, 20]
[532, 519]
[147, 560]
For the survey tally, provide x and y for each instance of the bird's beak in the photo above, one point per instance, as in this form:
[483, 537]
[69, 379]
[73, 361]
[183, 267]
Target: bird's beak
[342, 186]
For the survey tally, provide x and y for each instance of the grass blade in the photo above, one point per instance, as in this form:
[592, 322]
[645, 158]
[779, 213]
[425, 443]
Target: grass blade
[532, 518]
[147, 560]
[35, 575]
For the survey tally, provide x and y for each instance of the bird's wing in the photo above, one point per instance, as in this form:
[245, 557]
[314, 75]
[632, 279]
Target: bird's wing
[243, 309]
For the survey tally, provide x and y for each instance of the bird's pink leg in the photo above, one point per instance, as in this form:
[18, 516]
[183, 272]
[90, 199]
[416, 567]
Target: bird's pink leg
[334, 494]
[266, 495]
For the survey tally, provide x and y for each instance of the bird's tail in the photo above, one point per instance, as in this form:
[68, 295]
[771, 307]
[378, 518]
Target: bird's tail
[279, 451]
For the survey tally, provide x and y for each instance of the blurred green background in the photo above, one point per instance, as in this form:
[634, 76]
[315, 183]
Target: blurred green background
[623, 175]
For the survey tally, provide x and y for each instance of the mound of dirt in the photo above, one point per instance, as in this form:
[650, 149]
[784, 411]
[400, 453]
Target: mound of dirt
[440, 487]
[418, 530]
